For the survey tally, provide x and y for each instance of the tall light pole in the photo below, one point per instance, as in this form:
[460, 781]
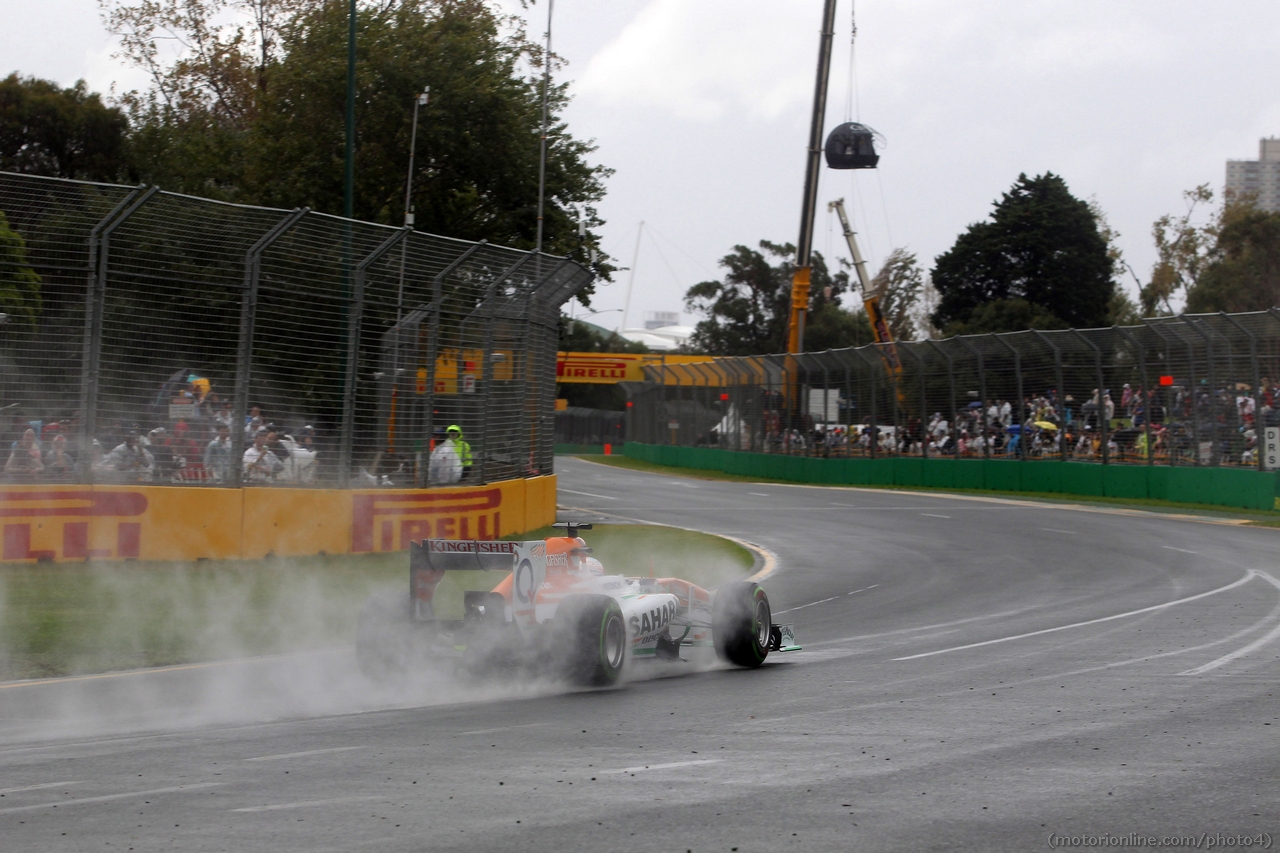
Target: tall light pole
[542, 155]
[349, 176]
[420, 101]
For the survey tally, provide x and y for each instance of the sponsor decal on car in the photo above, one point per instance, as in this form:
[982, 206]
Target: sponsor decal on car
[651, 621]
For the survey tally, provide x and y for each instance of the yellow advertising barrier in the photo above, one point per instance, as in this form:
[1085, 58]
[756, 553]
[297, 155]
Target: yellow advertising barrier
[610, 368]
[457, 371]
[68, 523]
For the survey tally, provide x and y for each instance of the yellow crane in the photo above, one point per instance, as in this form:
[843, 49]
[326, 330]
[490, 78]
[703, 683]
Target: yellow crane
[870, 295]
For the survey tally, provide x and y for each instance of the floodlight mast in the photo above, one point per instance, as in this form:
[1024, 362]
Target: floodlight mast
[804, 246]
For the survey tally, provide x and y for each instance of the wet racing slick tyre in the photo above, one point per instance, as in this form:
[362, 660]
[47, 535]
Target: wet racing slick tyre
[593, 639]
[740, 620]
[387, 640]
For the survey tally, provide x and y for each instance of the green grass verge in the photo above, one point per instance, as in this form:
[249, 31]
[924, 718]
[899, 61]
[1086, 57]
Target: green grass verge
[63, 619]
[1254, 517]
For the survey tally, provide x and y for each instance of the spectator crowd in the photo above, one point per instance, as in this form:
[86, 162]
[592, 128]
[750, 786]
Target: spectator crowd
[195, 447]
[1177, 423]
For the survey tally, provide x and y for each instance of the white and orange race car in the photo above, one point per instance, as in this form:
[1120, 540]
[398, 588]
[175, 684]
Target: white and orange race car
[558, 613]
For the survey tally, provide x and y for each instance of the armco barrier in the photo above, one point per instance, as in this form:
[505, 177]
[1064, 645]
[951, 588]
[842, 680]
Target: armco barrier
[68, 523]
[1230, 487]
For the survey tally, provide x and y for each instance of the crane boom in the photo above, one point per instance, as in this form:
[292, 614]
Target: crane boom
[870, 297]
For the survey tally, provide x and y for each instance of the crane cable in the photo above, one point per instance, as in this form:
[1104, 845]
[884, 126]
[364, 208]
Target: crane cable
[852, 100]
[853, 112]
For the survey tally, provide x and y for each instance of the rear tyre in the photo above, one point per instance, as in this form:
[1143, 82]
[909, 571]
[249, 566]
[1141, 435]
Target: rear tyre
[740, 621]
[593, 635]
[386, 637]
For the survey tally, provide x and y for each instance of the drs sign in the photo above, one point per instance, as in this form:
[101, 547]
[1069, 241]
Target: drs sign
[1271, 448]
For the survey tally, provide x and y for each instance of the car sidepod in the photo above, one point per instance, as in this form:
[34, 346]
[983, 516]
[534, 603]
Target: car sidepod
[649, 618]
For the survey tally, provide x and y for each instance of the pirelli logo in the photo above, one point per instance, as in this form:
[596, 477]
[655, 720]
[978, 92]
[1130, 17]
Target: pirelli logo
[596, 370]
[389, 522]
[79, 523]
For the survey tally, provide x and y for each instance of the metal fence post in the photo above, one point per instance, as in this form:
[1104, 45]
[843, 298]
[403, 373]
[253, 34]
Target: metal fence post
[1213, 421]
[355, 316]
[873, 436]
[924, 423]
[1104, 426]
[95, 307]
[486, 366]
[244, 354]
[1146, 387]
[848, 410]
[1021, 406]
[1062, 392]
[1168, 360]
[1255, 379]
[982, 395]
[951, 387]
[433, 348]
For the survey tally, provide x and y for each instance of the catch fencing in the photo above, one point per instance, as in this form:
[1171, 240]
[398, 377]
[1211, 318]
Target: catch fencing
[336, 352]
[1191, 390]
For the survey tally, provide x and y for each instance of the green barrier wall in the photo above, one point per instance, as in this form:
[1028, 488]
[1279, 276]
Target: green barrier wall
[1231, 487]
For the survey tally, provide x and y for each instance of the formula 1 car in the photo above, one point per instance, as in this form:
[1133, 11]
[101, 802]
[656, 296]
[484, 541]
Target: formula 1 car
[557, 613]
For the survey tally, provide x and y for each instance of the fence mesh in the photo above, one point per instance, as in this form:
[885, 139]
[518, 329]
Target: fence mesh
[1186, 390]
[154, 337]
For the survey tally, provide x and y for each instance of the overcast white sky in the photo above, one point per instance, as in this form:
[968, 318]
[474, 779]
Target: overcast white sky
[702, 107]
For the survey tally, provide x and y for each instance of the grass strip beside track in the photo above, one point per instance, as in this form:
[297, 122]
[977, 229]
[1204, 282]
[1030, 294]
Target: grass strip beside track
[1251, 517]
[65, 619]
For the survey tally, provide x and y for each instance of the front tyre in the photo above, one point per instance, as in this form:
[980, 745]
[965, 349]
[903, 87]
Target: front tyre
[740, 621]
[593, 636]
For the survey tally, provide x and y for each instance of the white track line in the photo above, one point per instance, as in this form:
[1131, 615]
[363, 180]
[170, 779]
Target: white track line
[285, 755]
[38, 787]
[503, 729]
[666, 766]
[1248, 576]
[1171, 548]
[109, 797]
[825, 600]
[810, 604]
[1241, 652]
[588, 494]
[934, 515]
[303, 805]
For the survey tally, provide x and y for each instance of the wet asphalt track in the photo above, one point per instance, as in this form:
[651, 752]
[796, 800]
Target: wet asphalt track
[977, 675]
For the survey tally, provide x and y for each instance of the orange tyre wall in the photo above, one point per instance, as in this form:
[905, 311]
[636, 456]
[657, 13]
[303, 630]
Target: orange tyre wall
[73, 523]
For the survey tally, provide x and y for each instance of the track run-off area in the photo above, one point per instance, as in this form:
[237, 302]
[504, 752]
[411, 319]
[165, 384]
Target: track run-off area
[977, 673]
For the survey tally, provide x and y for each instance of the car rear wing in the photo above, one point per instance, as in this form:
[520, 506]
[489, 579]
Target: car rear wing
[431, 558]
[461, 555]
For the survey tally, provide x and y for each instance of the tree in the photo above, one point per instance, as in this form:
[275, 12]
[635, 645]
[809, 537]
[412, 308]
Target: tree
[1042, 246]
[19, 283]
[63, 133]
[900, 284]
[748, 311]
[1242, 272]
[1183, 251]
[255, 113]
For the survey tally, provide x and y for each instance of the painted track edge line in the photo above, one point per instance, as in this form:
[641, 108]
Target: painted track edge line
[1248, 576]
[1243, 650]
[768, 560]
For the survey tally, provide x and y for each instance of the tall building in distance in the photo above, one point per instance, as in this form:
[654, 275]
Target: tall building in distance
[1260, 177]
